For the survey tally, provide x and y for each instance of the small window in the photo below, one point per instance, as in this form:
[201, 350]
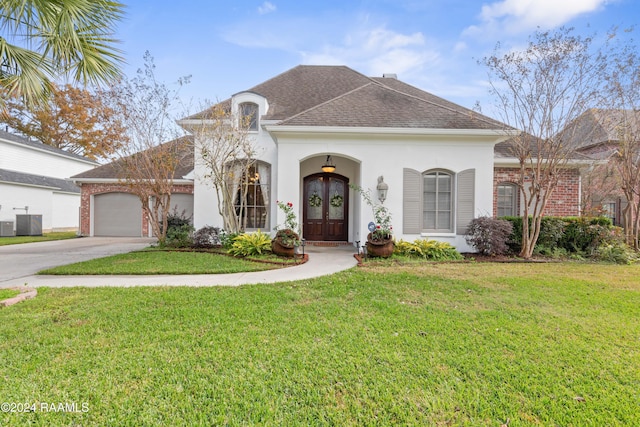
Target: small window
[609, 210]
[249, 116]
[437, 199]
[507, 200]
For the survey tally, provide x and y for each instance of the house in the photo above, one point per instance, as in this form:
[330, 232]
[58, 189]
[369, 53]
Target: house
[34, 180]
[436, 158]
[110, 209]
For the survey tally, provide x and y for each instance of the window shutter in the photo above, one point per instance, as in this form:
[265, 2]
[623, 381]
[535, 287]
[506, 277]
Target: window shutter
[411, 201]
[466, 202]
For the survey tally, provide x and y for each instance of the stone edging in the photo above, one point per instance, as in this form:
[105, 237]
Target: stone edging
[25, 293]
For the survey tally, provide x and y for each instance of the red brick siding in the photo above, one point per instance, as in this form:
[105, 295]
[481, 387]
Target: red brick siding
[88, 190]
[565, 200]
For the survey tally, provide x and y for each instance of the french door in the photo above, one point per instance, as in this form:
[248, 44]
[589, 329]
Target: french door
[326, 207]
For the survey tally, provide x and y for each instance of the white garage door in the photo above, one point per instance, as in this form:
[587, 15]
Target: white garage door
[117, 214]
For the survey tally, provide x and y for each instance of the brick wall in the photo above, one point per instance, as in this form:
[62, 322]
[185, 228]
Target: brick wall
[565, 200]
[88, 190]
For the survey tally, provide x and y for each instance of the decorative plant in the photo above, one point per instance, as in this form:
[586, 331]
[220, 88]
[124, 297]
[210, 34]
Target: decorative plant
[336, 201]
[249, 244]
[381, 215]
[315, 200]
[287, 233]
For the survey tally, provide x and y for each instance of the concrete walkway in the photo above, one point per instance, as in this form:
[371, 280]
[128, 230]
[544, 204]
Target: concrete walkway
[322, 261]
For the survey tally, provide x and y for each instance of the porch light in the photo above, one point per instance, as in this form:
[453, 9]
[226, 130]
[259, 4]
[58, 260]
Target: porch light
[329, 166]
[382, 188]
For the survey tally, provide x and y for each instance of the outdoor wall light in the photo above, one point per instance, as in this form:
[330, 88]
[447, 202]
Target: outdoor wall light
[329, 166]
[382, 188]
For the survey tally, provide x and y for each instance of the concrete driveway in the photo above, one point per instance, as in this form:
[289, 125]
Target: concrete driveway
[17, 261]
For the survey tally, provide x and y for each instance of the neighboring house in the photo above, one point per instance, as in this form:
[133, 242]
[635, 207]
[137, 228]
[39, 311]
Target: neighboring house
[34, 180]
[109, 209]
[598, 134]
[436, 157]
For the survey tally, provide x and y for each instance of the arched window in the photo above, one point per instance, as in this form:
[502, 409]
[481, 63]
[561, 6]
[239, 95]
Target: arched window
[251, 199]
[507, 200]
[438, 200]
[249, 116]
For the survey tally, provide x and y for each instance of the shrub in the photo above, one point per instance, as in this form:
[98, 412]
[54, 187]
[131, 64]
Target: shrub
[226, 239]
[249, 244]
[489, 235]
[432, 250]
[179, 236]
[584, 235]
[207, 237]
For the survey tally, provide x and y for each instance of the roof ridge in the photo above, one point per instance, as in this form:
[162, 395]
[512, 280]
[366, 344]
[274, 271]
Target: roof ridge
[479, 116]
[315, 107]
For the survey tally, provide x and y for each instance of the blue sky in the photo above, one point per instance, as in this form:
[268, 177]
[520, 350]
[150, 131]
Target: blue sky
[229, 46]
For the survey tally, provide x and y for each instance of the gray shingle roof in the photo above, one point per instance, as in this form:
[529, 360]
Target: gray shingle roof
[112, 170]
[313, 95]
[56, 184]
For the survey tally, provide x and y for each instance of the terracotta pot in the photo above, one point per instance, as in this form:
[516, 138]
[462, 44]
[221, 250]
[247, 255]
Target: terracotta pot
[380, 248]
[281, 250]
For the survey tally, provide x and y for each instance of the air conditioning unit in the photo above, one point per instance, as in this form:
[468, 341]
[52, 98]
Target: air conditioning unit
[6, 228]
[28, 225]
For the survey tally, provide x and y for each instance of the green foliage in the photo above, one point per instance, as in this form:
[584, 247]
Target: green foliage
[226, 239]
[249, 244]
[431, 250]
[576, 237]
[8, 293]
[180, 236]
[489, 235]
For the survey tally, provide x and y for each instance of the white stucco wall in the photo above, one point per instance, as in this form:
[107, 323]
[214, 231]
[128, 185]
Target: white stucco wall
[364, 158]
[361, 155]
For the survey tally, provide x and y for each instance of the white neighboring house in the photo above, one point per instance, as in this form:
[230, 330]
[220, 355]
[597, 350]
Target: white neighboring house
[34, 180]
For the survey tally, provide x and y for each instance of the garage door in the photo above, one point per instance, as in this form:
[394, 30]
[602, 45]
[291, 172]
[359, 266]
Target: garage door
[117, 214]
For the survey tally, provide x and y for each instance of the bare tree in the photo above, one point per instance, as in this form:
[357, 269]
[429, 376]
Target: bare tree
[623, 121]
[227, 154]
[147, 164]
[540, 90]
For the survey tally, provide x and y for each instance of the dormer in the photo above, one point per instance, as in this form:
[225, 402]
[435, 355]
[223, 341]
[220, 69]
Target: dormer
[249, 107]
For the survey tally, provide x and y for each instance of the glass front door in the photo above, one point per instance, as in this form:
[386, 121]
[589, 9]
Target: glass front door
[326, 202]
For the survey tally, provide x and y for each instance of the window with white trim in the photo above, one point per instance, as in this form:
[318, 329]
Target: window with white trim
[249, 116]
[438, 201]
[507, 200]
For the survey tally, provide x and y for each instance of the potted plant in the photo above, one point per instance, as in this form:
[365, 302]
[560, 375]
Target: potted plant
[380, 239]
[287, 237]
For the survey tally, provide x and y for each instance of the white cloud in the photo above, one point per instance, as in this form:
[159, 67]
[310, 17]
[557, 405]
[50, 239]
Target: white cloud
[266, 7]
[377, 51]
[516, 16]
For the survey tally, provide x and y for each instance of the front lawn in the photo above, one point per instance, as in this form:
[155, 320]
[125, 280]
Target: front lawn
[437, 344]
[153, 261]
[8, 293]
[57, 235]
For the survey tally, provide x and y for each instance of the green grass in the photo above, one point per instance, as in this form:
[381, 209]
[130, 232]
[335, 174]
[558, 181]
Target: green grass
[434, 344]
[153, 261]
[58, 235]
[7, 293]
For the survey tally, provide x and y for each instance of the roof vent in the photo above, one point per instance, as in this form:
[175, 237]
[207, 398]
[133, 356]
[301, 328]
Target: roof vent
[390, 76]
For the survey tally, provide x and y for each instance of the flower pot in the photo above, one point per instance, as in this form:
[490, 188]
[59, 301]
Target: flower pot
[379, 248]
[279, 249]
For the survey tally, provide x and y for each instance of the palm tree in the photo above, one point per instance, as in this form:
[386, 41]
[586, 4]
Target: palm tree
[41, 40]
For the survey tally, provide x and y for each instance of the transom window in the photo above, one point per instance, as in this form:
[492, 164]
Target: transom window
[438, 201]
[249, 115]
[507, 200]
